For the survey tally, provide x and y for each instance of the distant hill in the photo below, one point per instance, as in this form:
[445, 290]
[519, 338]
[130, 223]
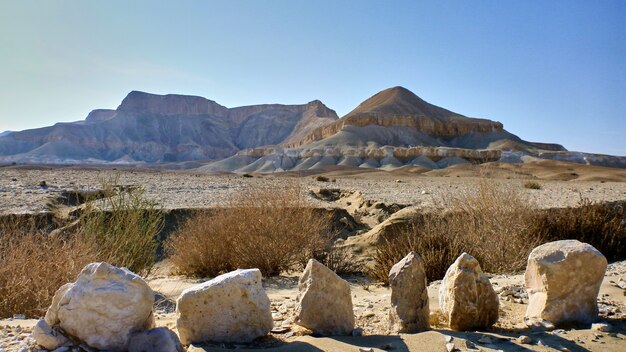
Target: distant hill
[165, 128]
[392, 129]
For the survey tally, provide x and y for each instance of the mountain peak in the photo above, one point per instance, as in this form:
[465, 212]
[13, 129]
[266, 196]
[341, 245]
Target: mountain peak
[400, 101]
[139, 102]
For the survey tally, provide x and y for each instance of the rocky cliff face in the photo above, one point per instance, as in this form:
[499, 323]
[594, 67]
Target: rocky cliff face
[164, 128]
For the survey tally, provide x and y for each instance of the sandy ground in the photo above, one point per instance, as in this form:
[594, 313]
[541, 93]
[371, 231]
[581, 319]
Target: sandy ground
[371, 306]
[20, 190]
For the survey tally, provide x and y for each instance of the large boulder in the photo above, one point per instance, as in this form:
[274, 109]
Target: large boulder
[409, 296]
[103, 307]
[324, 303]
[229, 308]
[563, 279]
[466, 296]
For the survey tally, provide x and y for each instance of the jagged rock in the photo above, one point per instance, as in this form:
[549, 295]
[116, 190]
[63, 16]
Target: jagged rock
[159, 339]
[324, 304]
[103, 307]
[409, 295]
[563, 279]
[466, 296]
[232, 307]
[47, 337]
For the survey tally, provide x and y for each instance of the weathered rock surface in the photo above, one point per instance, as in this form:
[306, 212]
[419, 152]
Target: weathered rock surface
[466, 296]
[563, 279]
[324, 303]
[159, 339]
[232, 307]
[409, 295]
[103, 307]
[48, 337]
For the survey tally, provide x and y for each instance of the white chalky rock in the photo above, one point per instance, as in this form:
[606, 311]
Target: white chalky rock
[159, 339]
[47, 337]
[324, 303]
[103, 307]
[563, 279]
[229, 308]
[409, 296]
[466, 296]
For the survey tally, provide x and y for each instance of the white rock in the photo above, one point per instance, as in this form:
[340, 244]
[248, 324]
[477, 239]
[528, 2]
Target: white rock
[602, 327]
[466, 296]
[159, 339]
[324, 304]
[409, 296]
[229, 308]
[47, 337]
[103, 307]
[563, 279]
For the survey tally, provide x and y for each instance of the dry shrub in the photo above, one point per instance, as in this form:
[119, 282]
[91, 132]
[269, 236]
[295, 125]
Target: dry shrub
[339, 260]
[603, 225]
[122, 227]
[532, 185]
[34, 265]
[270, 229]
[493, 225]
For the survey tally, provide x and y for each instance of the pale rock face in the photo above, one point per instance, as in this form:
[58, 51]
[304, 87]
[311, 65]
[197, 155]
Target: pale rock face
[229, 308]
[324, 303]
[563, 279]
[159, 339]
[466, 296]
[103, 307]
[47, 337]
[409, 295]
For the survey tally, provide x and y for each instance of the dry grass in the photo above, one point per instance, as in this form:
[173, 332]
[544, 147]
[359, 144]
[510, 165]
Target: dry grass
[494, 225]
[34, 262]
[122, 227]
[272, 230]
[532, 185]
[34, 265]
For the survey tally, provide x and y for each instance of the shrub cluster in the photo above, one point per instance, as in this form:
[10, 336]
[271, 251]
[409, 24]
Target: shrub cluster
[273, 230]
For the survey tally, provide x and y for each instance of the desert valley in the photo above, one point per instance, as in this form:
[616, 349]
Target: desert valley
[182, 191]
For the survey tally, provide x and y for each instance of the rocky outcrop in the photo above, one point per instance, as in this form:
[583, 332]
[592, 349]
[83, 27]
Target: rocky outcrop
[466, 296]
[324, 303]
[563, 279]
[409, 296]
[232, 307]
[102, 308]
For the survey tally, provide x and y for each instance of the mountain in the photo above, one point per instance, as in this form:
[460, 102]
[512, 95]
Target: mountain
[5, 133]
[165, 128]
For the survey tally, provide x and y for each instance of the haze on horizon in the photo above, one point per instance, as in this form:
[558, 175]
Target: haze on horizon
[551, 72]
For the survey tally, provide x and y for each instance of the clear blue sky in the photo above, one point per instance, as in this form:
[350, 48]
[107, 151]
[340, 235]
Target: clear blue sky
[551, 71]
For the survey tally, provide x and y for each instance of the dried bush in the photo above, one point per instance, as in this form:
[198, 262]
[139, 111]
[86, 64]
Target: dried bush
[122, 226]
[603, 225]
[33, 265]
[270, 229]
[493, 225]
[339, 260]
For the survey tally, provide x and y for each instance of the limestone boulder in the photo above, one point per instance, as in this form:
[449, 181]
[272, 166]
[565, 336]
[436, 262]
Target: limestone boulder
[466, 296]
[159, 339]
[324, 303]
[103, 307]
[409, 295]
[563, 279]
[232, 307]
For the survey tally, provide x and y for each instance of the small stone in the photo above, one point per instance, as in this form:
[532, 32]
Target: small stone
[602, 327]
[486, 340]
[449, 338]
[47, 337]
[357, 332]
[368, 314]
[450, 347]
[525, 339]
[159, 339]
[366, 350]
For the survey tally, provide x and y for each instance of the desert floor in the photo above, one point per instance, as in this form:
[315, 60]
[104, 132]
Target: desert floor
[562, 185]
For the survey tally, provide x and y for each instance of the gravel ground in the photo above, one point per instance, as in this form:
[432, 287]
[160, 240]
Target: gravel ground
[20, 190]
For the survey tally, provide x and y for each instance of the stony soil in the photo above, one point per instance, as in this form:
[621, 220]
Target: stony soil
[20, 190]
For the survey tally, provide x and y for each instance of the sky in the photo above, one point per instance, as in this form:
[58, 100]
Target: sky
[550, 71]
